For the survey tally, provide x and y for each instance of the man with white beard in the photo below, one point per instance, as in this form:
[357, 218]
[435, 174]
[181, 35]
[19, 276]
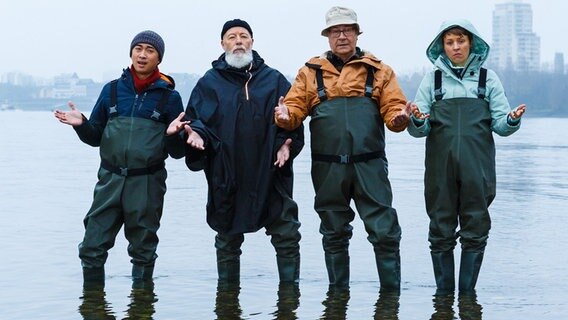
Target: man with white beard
[246, 158]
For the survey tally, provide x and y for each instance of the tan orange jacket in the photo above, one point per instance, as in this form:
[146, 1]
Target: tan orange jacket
[350, 82]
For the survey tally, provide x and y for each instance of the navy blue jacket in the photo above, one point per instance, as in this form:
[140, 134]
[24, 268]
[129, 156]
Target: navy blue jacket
[233, 111]
[132, 104]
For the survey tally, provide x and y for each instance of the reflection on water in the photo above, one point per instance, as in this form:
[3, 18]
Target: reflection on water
[94, 305]
[227, 305]
[288, 301]
[142, 300]
[387, 306]
[443, 307]
[336, 303]
[468, 307]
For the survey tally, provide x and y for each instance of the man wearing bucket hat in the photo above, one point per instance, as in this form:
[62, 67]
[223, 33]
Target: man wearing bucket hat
[130, 123]
[350, 96]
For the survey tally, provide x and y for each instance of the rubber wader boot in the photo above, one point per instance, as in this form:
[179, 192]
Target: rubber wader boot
[338, 269]
[93, 277]
[444, 272]
[229, 271]
[469, 270]
[388, 267]
[142, 277]
[288, 269]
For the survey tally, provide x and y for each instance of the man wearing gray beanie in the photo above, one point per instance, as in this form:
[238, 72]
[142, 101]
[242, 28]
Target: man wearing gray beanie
[133, 124]
[152, 38]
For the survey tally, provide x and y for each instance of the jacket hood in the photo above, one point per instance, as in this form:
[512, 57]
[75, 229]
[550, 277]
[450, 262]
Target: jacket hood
[479, 46]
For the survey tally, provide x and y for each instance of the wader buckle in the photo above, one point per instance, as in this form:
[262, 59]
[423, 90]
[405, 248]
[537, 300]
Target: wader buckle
[124, 172]
[344, 158]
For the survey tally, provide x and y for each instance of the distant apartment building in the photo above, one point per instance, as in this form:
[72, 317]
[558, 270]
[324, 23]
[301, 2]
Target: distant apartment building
[515, 46]
[66, 86]
[17, 79]
[559, 63]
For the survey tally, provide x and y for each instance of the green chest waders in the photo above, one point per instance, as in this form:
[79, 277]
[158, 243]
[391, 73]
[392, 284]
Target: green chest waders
[348, 162]
[130, 192]
[459, 186]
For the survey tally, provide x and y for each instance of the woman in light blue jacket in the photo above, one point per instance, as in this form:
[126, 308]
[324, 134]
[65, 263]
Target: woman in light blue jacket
[458, 106]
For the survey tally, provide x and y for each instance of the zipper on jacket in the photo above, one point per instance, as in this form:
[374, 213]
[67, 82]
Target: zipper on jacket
[246, 83]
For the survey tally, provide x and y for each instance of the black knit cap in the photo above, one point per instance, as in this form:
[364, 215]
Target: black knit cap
[151, 38]
[235, 23]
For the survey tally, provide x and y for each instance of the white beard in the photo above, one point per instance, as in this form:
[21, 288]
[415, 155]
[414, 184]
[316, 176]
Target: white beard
[238, 60]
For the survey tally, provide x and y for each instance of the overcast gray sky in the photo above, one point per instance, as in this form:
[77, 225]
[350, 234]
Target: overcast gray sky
[45, 38]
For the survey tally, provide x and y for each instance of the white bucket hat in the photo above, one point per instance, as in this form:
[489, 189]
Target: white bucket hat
[337, 16]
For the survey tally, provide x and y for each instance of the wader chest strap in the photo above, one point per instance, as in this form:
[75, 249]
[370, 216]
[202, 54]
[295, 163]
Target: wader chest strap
[128, 172]
[346, 158]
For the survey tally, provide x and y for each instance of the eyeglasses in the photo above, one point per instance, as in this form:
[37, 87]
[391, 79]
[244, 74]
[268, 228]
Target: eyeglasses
[335, 33]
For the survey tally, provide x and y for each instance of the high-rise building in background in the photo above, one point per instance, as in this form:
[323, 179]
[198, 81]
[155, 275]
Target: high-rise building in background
[515, 46]
[559, 63]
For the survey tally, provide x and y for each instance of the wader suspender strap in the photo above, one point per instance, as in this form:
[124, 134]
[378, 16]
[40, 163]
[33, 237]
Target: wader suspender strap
[161, 105]
[370, 82]
[481, 86]
[319, 79]
[438, 85]
[113, 111]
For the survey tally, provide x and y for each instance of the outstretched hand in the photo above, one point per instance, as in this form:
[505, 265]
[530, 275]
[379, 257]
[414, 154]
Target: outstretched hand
[281, 111]
[176, 125]
[416, 112]
[402, 116]
[73, 117]
[193, 138]
[283, 153]
[518, 112]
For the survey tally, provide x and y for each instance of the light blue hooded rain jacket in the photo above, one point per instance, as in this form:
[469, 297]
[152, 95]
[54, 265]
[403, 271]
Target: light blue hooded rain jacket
[454, 87]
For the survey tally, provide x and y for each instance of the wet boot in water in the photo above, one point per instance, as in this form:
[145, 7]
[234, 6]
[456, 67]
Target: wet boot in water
[229, 271]
[469, 271]
[142, 277]
[288, 269]
[93, 277]
[338, 269]
[388, 267]
[444, 272]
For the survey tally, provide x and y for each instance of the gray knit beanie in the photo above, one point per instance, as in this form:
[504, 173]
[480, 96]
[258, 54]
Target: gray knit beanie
[151, 38]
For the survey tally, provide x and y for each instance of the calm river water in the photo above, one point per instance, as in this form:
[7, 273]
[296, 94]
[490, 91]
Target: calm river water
[47, 177]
